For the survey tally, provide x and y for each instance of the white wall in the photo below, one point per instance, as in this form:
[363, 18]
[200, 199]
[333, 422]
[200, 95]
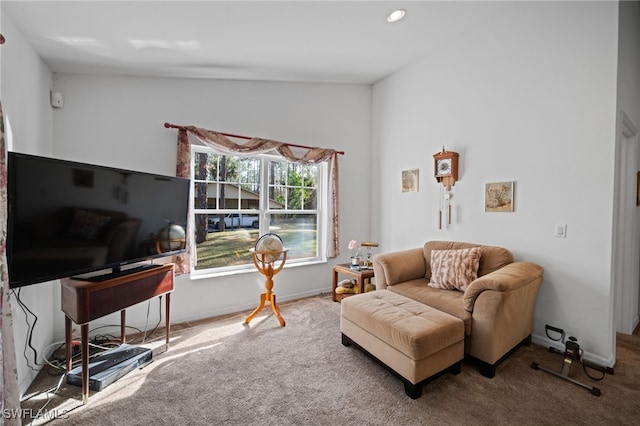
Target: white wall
[25, 82]
[626, 280]
[118, 121]
[530, 97]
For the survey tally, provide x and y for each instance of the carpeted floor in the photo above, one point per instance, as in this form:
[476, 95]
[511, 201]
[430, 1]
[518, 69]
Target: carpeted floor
[221, 372]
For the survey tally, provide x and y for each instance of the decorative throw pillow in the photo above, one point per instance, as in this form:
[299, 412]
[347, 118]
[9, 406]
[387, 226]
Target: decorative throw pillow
[86, 224]
[454, 269]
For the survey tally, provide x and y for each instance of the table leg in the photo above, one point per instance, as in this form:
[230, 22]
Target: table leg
[84, 336]
[67, 341]
[123, 326]
[360, 283]
[167, 304]
[334, 285]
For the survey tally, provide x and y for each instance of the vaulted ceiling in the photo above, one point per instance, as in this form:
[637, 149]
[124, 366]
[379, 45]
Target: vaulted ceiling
[316, 41]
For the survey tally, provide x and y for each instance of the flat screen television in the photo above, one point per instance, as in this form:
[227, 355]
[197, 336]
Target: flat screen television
[71, 219]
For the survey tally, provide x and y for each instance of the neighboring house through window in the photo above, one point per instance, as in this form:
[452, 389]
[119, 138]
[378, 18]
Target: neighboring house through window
[238, 199]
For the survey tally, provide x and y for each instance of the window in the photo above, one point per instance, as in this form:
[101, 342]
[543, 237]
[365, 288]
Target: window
[238, 199]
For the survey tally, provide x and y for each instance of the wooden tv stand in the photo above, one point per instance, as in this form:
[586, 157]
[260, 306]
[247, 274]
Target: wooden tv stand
[84, 301]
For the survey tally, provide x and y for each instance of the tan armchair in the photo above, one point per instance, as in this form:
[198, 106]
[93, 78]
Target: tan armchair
[497, 308]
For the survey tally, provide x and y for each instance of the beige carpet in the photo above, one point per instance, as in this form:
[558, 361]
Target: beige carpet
[220, 372]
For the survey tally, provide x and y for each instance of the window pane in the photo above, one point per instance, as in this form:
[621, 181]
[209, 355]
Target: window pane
[310, 184]
[232, 199]
[229, 247]
[299, 233]
[200, 165]
[277, 173]
[250, 196]
[277, 197]
[310, 199]
[228, 169]
[293, 186]
[201, 196]
[249, 170]
[228, 196]
[294, 198]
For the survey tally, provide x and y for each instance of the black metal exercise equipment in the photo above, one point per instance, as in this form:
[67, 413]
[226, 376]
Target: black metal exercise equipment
[572, 352]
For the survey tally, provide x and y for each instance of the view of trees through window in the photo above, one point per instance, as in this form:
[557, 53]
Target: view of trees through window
[237, 199]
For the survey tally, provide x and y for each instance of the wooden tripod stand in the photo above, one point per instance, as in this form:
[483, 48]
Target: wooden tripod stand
[264, 261]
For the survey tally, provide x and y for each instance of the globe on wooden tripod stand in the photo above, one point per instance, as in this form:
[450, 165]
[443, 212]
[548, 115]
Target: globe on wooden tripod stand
[265, 257]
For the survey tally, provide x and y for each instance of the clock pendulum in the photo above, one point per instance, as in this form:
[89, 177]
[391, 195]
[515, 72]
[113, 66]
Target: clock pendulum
[445, 172]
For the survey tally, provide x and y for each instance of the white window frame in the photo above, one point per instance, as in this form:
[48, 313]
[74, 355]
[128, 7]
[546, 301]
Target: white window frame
[264, 212]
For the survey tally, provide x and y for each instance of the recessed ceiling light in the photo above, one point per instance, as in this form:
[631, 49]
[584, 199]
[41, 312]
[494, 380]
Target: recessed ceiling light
[396, 15]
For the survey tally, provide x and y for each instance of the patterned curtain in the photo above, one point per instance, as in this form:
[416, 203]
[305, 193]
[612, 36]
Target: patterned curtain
[9, 376]
[184, 262]
[255, 146]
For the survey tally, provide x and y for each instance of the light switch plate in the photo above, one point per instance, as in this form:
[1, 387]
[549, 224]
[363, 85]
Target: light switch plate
[561, 231]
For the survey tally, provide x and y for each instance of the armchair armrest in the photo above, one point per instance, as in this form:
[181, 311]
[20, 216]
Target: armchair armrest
[399, 266]
[507, 278]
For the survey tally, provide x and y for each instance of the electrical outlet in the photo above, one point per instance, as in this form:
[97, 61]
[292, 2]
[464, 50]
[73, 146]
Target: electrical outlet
[561, 231]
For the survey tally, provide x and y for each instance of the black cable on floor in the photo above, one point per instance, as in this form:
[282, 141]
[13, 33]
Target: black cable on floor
[30, 328]
[144, 338]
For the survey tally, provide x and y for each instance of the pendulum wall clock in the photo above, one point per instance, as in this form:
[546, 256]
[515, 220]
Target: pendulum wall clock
[445, 165]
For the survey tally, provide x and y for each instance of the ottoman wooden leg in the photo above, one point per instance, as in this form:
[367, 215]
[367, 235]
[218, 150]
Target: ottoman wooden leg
[486, 369]
[345, 340]
[413, 391]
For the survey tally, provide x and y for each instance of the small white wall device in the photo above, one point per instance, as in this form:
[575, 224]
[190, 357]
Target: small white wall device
[57, 100]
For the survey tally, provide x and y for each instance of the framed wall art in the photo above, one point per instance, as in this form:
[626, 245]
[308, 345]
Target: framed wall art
[410, 179]
[498, 197]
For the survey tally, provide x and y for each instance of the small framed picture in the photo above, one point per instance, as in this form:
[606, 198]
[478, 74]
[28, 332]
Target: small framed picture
[498, 197]
[410, 179]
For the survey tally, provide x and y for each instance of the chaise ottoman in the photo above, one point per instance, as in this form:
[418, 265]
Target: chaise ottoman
[414, 341]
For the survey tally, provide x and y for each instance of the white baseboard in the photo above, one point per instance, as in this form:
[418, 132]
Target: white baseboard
[232, 309]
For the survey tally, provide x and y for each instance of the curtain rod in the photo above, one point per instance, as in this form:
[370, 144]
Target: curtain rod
[175, 126]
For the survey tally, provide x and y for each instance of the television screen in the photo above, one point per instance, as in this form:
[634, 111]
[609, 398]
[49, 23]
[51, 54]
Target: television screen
[68, 218]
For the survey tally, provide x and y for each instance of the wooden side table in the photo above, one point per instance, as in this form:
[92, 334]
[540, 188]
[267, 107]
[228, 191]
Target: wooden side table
[84, 301]
[362, 276]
